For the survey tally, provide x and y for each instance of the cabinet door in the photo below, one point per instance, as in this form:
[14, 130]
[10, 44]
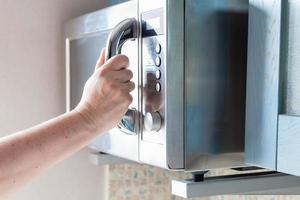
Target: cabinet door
[273, 86]
[289, 118]
[263, 72]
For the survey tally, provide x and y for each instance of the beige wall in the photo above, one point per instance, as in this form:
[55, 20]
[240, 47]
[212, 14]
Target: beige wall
[32, 88]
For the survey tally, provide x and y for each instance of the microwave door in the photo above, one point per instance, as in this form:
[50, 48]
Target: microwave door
[125, 31]
[123, 141]
[120, 141]
[83, 51]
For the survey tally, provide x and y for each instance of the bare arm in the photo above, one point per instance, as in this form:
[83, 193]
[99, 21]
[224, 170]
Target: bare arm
[26, 154]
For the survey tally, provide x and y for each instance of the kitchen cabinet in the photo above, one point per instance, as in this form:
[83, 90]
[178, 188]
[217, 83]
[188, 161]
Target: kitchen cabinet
[288, 158]
[273, 86]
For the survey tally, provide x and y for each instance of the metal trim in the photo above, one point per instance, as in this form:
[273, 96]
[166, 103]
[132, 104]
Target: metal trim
[175, 83]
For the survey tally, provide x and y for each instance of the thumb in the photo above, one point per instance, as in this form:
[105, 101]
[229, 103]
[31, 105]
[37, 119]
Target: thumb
[101, 59]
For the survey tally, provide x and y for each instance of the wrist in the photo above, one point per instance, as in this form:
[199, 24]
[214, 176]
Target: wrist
[84, 113]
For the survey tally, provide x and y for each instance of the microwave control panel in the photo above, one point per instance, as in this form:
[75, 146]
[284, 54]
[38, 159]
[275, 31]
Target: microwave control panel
[153, 73]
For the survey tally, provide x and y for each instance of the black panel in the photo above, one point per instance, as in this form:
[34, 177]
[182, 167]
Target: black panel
[153, 23]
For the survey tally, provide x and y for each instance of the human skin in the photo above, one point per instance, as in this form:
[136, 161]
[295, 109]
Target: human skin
[27, 154]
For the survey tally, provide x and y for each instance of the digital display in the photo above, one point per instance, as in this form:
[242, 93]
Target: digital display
[153, 23]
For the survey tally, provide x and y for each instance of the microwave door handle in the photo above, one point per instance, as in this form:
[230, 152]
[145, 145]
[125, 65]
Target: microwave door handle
[124, 31]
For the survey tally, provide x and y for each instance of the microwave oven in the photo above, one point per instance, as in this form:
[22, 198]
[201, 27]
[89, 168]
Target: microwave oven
[189, 61]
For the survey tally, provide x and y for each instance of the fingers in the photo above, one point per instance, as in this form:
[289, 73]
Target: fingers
[117, 63]
[127, 87]
[121, 76]
[122, 87]
[101, 59]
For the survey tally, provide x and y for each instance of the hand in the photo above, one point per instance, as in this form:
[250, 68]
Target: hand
[106, 94]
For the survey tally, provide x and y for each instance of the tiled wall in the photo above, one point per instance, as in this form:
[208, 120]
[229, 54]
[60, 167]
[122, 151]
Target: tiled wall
[136, 182]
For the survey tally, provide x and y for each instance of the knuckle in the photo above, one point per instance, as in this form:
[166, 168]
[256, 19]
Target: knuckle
[103, 73]
[117, 91]
[109, 84]
[123, 59]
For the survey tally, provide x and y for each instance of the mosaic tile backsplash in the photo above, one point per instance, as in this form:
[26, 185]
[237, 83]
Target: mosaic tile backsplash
[142, 182]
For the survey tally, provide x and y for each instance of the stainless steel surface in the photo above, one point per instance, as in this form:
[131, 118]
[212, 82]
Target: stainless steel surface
[249, 184]
[200, 77]
[175, 94]
[86, 36]
[105, 19]
[153, 144]
[215, 82]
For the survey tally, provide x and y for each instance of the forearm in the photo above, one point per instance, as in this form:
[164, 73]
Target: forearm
[105, 100]
[26, 154]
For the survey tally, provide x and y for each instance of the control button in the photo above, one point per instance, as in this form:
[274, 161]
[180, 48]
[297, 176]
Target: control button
[158, 48]
[158, 87]
[152, 121]
[158, 61]
[158, 74]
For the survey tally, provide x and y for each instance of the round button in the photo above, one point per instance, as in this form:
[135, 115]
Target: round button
[158, 48]
[158, 74]
[152, 121]
[158, 61]
[158, 87]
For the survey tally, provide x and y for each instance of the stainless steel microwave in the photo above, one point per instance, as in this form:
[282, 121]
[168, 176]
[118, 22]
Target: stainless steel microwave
[189, 62]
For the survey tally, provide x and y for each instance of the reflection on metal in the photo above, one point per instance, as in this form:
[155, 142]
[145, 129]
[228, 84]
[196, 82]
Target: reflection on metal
[215, 82]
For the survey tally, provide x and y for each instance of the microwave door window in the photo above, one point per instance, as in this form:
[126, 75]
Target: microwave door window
[84, 54]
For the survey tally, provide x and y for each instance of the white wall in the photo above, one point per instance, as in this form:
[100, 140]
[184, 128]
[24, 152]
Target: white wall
[32, 88]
